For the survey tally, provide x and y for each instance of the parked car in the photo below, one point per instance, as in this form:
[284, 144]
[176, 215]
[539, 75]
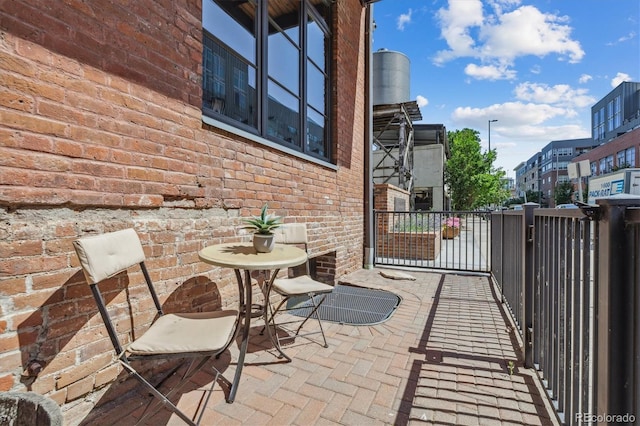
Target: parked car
[566, 206]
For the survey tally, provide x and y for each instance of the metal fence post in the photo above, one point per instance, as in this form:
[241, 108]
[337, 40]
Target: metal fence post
[614, 311]
[527, 293]
[502, 238]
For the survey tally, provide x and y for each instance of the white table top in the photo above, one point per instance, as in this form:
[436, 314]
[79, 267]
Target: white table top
[244, 256]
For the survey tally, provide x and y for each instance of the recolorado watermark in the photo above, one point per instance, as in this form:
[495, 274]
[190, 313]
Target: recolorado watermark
[605, 418]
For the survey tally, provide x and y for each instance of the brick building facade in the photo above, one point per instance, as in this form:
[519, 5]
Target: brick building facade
[101, 128]
[621, 152]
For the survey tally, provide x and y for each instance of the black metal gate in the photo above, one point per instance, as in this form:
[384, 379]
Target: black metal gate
[451, 240]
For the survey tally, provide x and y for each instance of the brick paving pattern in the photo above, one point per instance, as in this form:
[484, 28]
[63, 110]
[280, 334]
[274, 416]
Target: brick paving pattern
[446, 356]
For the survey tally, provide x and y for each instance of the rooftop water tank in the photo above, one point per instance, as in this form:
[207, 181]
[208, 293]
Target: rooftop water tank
[391, 72]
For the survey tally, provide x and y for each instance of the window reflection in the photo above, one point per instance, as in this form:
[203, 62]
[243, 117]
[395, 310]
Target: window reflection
[229, 57]
[316, 50]
[284, 71]
[316, 143]
[284, 118]
[316, 94]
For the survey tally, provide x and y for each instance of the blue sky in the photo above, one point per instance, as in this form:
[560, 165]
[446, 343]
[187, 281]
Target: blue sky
[536, 66]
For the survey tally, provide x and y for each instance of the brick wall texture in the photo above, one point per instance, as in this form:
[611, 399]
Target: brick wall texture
[100, 129]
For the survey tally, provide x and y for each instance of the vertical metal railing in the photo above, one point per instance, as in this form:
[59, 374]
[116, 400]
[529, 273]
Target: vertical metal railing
[575, 297]
[507, 260]
[570, 280]
[563, 332]
[617, 363]
[440, 240]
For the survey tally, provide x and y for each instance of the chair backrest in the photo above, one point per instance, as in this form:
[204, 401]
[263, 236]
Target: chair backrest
[291, 233]
[106, 255]
[103, 256]
[294, 233]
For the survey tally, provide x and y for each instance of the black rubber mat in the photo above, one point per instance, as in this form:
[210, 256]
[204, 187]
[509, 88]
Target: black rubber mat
[350, 305]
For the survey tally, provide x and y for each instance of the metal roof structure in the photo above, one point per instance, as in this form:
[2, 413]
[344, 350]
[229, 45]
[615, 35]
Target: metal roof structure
[393, 133]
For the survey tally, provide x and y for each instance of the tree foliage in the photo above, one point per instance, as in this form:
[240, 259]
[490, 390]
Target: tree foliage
[469, 174]
[562, 193]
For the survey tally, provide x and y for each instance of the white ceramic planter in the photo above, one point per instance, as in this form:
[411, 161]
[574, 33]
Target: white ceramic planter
[263, 243]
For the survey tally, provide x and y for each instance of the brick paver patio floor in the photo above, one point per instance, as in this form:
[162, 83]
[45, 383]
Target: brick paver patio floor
[444, 357]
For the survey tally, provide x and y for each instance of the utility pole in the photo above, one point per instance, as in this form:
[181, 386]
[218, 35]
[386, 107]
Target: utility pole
[490, 121]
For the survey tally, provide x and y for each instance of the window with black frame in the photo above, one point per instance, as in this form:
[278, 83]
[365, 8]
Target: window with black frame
[266, 69]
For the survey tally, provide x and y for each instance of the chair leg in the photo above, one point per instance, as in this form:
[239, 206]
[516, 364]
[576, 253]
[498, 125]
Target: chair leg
[316, 306]
[270, 315]
[164, 398]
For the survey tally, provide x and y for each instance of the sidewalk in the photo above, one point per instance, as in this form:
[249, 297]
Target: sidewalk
[444, 357]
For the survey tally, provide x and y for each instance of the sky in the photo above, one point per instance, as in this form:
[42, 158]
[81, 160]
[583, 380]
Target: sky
[535, 66]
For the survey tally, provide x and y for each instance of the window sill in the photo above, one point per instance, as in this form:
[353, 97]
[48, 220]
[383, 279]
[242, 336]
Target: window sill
[246, 135]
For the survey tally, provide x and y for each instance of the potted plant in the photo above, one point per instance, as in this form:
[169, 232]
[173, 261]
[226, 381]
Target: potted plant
[262, 227]
[451, 228]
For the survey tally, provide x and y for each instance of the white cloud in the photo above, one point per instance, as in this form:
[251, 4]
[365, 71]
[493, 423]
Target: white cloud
[619, 78]
[489, 72]
[623, 39]
[560, 95]
[628, 37]
[403, 20]
[527, 31]
[422, 101]
[584, 78]
[498, 40]
[455, 24]
[509, 114]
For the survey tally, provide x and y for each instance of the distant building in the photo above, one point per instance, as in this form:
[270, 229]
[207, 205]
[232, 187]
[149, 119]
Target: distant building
[617, 113]
[620, 153]
[509, 184]
[554, 159]
[616, 131]
[430, 154]
[528, 175]
[615, 144]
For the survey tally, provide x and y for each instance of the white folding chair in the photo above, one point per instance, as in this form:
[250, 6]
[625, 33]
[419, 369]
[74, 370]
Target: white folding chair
[308, 293]
[196, 335]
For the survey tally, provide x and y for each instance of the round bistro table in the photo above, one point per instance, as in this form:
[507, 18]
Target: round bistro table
[243, 257]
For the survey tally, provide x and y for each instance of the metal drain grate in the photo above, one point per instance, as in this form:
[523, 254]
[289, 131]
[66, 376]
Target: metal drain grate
[350, 305]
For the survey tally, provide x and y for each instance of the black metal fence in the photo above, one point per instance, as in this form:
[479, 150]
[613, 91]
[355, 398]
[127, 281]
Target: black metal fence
[570, 279]
[441, 240]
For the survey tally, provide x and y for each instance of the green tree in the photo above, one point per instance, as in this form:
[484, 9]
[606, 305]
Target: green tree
[536, 197]
[470, 175]
[562, 193]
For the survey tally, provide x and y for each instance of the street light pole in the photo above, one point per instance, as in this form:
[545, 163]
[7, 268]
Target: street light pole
[490, 121]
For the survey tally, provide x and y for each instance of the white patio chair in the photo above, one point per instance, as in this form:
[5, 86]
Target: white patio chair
[195, 335]
[302, 287]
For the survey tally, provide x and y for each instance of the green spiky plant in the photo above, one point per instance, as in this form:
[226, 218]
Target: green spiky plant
[263, 224]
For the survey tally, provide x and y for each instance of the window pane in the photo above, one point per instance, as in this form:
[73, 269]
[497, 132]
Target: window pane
[631, 156]
[316, 43]
[229, 72]
[316, 87]
[228, 83]
[284, 64]
[233, 24]
[283, 120]
[316, 143]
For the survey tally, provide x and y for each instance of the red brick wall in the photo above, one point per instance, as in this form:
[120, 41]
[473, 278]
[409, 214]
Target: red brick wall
[100, 129]
[622, 142]
[384, 195]
[409, 245]
[406, 245]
